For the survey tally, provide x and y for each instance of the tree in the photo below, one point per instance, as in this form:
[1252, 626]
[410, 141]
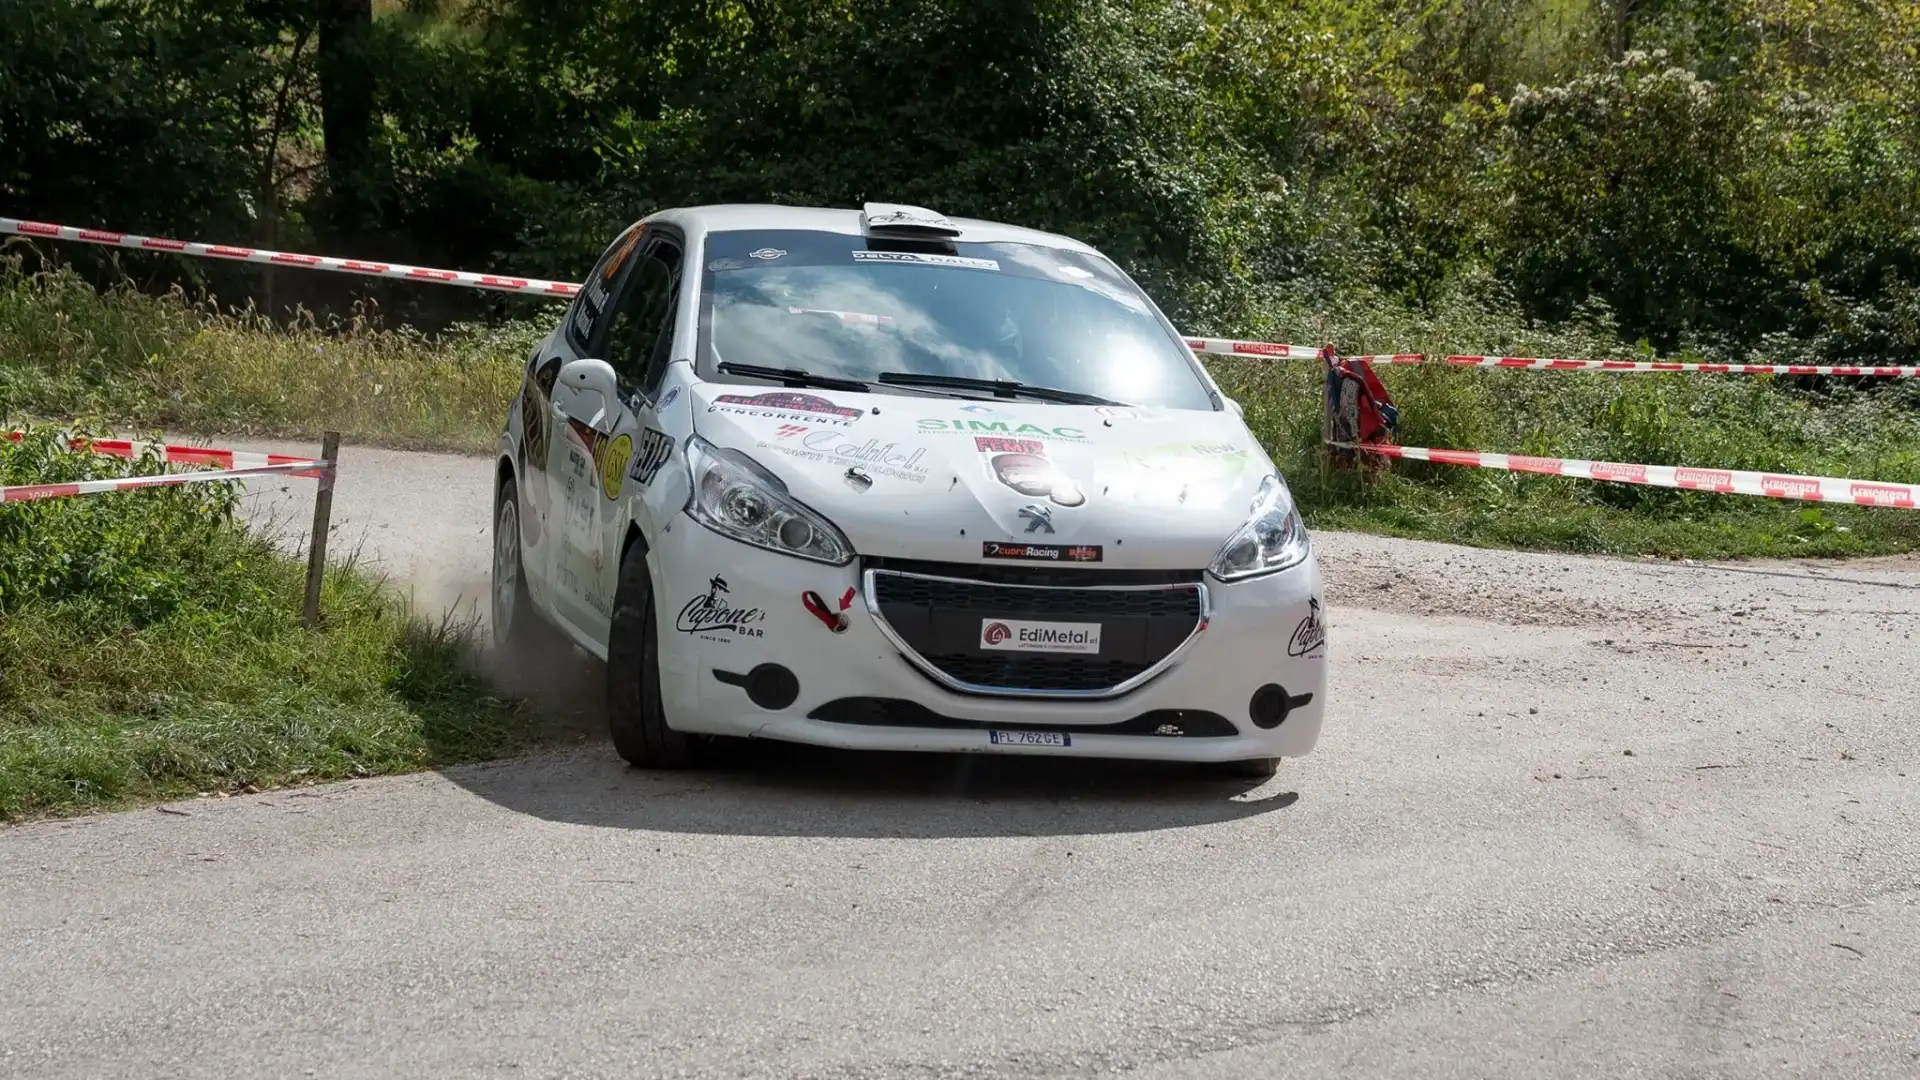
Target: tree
[346, 104]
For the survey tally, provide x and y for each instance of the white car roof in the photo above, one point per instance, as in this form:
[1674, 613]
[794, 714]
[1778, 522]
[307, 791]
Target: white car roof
[726, 217]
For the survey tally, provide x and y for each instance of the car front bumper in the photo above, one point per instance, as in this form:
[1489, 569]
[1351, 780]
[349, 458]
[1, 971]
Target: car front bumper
[713, 638]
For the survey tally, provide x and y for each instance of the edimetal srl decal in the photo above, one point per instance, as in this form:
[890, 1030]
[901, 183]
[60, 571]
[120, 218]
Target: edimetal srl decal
[1022, 635]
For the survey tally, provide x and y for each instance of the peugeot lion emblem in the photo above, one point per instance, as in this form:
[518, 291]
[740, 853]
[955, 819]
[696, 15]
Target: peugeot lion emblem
[1039, 518]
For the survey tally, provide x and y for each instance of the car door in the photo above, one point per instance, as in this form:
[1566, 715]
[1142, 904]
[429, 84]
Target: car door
[539, 516]
[603, 451]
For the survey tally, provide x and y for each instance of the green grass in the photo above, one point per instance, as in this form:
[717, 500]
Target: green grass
[167, 363]
[1713, 421]
[1710, 421]
[67, 350]
[150, 648]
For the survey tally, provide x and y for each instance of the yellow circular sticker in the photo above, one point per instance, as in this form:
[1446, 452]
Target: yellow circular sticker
[614, 464]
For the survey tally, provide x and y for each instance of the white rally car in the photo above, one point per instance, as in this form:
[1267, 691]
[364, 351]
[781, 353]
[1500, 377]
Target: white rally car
[880, 479]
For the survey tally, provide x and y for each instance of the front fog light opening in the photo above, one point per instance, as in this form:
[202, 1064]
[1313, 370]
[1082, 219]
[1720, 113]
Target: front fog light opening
[1268, 707]
[772, 687]
[1271, 705]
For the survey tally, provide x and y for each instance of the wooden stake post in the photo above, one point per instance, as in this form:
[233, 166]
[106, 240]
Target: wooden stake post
[322, 521]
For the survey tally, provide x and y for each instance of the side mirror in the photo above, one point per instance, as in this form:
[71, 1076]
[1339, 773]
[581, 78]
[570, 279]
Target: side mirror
[1238, 409]
[587, 390]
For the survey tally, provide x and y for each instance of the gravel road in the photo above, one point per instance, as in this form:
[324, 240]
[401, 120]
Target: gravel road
[1571, 818]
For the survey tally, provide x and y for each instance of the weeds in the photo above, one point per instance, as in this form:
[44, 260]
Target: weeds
[172, 363]
[150, 648]
[1825, 427]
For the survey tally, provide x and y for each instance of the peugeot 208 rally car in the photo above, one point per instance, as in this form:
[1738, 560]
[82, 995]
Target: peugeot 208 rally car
[882, 479]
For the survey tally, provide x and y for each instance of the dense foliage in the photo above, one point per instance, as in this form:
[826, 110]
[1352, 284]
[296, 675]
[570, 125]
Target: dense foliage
[1724, 175]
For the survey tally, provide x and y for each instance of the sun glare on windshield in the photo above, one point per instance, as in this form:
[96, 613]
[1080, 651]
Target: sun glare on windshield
[829, 305]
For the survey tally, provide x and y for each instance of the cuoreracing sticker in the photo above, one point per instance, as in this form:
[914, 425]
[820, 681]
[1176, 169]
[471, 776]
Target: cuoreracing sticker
[786, 406]
[656, 447]
[1310, 637]
[712, 617]
[1000, 549]
[916, 258]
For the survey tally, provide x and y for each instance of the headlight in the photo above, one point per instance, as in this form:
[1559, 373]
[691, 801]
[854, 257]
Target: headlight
[1273, 538]
[735, 496]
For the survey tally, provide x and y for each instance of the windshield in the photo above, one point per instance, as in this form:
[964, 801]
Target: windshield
[853, 307]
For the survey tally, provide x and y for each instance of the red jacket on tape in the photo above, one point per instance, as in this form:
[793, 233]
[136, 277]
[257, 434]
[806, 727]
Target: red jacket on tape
[1359, 409]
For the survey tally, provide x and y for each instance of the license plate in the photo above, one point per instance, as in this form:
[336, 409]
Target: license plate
[1030, 738]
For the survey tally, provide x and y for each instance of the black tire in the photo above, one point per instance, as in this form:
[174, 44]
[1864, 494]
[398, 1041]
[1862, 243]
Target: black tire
[1249, 768]
[636, 718]
[518, 629]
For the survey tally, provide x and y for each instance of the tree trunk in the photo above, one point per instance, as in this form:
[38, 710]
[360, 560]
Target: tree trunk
[346, 110]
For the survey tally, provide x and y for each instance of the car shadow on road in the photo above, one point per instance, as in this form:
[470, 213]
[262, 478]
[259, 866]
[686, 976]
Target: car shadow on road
[792, 791]
[784, 789]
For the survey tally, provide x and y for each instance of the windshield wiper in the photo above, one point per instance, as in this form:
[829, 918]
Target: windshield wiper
[793, 377]
[998, 387]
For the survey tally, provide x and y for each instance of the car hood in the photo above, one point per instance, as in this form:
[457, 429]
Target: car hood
[958, 480]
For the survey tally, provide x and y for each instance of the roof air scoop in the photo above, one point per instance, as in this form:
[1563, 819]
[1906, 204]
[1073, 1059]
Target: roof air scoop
[900, 220]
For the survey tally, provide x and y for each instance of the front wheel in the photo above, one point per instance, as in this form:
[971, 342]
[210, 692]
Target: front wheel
[636, 718]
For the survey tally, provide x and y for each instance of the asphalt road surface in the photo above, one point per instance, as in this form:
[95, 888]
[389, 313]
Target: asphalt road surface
[1570, 818]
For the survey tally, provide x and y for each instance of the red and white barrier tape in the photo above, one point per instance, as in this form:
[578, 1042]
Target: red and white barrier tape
[1259, 350]
[29, 492]
[1254, 350]
[263, 257]
[1268, 350]
[1532, 363]
[1729, 481]
[178, 455]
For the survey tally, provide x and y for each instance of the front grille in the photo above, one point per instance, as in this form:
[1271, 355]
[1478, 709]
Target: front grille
[896, 712]
[1075, 576]
[1004, 601]
[937, 621]
[1028, 671]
